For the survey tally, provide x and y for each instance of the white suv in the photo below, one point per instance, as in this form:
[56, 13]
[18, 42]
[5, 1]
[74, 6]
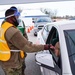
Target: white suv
[47, 60]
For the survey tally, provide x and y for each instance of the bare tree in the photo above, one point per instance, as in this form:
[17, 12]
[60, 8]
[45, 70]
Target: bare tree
[49, 12]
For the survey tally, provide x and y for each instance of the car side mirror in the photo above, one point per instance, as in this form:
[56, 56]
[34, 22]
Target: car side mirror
[45, 59]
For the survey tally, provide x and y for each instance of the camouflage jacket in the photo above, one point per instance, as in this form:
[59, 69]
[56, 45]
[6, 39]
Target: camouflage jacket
[16, 41]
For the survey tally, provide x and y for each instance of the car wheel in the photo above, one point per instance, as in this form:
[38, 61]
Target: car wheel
[35, 34]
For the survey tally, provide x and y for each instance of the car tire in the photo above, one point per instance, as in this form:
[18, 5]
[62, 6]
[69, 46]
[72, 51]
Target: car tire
[35, 34]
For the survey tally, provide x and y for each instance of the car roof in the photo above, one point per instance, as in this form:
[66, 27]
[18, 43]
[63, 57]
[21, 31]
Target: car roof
[65, 24]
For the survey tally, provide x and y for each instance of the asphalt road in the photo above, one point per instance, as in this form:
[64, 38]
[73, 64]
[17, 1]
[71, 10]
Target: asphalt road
[32, 68]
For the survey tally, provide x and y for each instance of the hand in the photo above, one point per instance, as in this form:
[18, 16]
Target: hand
[52, 47]
[49, 46]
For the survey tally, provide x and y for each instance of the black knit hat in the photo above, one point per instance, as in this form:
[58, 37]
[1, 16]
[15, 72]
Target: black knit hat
[14, 8]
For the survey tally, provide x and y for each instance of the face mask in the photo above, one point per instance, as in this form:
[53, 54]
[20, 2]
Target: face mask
[15, 22]
[18, 20]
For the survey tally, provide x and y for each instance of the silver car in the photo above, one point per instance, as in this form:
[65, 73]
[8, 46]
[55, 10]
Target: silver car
[40, 23]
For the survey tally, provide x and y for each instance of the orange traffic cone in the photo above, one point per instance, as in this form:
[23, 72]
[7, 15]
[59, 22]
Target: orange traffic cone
[28, 30]
[32, 27]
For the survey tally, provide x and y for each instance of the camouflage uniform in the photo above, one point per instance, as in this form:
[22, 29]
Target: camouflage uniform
[13, 71]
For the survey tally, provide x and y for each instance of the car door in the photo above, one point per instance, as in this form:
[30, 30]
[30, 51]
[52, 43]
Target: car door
[53, 34]
[47, 59]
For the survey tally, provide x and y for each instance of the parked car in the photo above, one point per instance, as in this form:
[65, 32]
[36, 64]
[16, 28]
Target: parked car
[47, 60]
[39, 23]
[72, 18]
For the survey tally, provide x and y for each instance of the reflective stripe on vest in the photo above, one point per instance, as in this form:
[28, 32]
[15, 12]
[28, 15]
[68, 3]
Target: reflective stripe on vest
[10, 50]
[5, 52]
[2, 41]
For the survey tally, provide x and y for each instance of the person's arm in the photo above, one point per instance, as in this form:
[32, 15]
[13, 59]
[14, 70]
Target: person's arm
[25, 35]
[20, 42]
[55, 49]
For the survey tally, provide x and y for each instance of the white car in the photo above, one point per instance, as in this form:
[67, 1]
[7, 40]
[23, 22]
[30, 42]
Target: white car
[65, 31]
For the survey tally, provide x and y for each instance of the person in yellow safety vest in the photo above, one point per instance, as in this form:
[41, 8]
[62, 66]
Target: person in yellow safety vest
[22, 28]
[13, 44]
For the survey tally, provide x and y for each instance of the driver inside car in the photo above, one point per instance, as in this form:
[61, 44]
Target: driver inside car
[56, 47]
[56, 50]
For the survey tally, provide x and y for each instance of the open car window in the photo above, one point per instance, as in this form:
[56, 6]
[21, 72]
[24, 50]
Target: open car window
[53, 34]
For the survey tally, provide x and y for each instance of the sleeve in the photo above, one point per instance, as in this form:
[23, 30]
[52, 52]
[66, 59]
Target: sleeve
[25, 35]
[19, 41]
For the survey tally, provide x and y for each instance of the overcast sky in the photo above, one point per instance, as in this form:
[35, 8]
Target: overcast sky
[62, 7]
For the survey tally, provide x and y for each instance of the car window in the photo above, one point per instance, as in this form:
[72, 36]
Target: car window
[43, 19]
[70, 42]
[71, 38]
[53, 35]
[45, 33]
[49, 28]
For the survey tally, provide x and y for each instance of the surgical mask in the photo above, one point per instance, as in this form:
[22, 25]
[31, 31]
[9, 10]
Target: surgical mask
[19, 20]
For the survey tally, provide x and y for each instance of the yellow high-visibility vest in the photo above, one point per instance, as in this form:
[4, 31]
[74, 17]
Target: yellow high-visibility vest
[5, 52]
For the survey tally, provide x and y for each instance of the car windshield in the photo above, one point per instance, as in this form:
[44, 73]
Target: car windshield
[70, 42]
[43, 19]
